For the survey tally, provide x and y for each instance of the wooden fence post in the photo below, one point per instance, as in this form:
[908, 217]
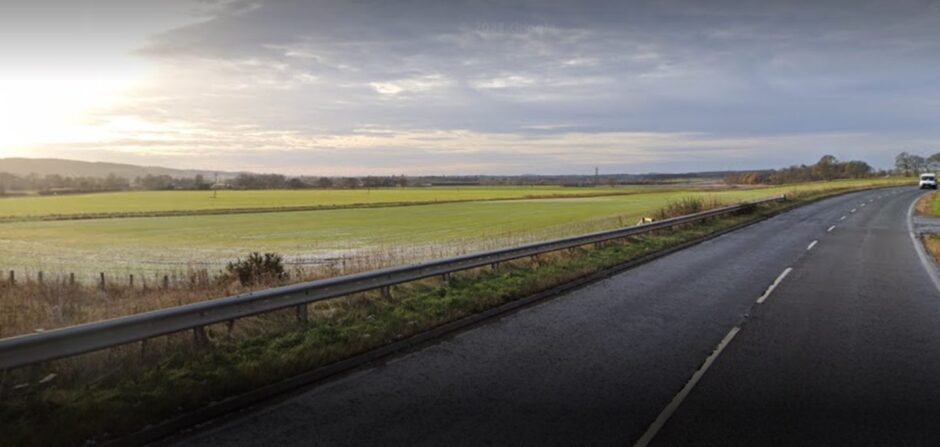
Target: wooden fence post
[132, 281]
[71, 279]
[39, 277]
[12, 277]
[102, 281]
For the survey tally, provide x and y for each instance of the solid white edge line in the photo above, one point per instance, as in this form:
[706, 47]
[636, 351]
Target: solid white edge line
[828, 230]
[811, 245]
[677, 400]
[925, 260]
[774, 285]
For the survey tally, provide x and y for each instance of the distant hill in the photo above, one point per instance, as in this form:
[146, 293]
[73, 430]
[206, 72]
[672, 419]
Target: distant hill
[74, 168]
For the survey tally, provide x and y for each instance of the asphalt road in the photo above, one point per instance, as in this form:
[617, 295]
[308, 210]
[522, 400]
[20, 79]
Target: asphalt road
[845, 349]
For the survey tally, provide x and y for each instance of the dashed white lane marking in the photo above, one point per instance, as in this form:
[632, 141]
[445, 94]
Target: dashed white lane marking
[842, 218]
[864, 204]
[684, 392]
[853, 210]
[811, 245]
[774, 285]
[829, 230]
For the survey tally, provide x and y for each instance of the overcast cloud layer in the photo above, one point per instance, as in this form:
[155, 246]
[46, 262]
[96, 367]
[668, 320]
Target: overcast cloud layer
[361, 87]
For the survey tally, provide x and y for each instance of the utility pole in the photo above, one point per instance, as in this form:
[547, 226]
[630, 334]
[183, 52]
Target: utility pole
[596, 178]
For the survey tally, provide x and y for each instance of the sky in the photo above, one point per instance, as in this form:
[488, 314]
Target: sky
[363, 87]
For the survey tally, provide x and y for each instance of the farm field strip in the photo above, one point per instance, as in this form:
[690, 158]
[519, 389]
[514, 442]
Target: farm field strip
[170, 203]
[400, 234]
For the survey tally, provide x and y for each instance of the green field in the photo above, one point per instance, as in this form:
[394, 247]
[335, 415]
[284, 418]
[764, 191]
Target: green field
[196, 201]
[394, 234]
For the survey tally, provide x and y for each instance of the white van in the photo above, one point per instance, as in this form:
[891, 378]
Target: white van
[928, 181]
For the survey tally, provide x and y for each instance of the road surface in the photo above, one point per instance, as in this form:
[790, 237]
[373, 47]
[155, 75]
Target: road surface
[844, 348]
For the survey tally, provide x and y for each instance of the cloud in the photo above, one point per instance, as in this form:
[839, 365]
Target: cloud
[541, 83]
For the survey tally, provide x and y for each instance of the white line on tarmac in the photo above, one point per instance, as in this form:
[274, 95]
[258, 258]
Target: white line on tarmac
[842, 218]
[853, 210]
[811, 245]
[829, 230]
[774, 285]
[684, 392]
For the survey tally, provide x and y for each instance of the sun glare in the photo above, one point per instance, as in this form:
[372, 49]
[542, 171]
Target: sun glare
[36, 112]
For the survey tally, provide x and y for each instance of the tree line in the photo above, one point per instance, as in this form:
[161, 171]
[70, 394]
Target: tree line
[827, 168]
[57, 184]
[909, 164]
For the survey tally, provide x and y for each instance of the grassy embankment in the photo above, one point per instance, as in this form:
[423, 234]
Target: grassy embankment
[929, 206]
[90, 397]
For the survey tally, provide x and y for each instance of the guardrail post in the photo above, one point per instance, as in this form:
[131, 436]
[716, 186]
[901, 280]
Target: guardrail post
[200, 336]
[230, 326]
[131, 281]
[71, 279]
[12, 277]
[387, 292]
[495, 267]
[302, 314]
[446, 278]
[39, 277]
[102, 283]
[166, 282]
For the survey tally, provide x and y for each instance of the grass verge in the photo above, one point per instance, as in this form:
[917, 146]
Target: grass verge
[932, 244]
[109, 394]
[928, 205]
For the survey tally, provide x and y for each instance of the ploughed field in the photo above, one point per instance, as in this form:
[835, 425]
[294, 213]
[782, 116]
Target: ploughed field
[387, 232]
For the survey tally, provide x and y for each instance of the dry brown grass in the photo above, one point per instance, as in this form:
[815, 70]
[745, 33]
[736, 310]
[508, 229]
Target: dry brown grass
[932, 244]
[688, 205]
[925, 204]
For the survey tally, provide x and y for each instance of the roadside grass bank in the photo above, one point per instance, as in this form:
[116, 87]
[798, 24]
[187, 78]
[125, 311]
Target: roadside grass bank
[932, 244]
[929, 206]
[109, 394]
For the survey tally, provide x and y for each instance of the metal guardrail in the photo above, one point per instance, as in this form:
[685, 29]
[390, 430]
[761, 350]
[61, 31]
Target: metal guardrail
[66, 342]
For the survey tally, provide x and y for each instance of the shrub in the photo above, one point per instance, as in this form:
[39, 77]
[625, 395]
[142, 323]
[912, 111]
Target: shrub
[256, 268]
[686, 205]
